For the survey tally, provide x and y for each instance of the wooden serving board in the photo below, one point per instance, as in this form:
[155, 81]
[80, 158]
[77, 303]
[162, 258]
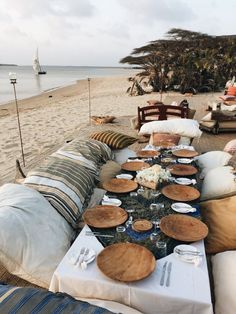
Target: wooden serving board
[147, 153]
[105, 216]
[185, 153]
[126, 262]
[142, 225]
[120, 185]
[180, 193]
[134, 165]
[183, 228]
[182, 170]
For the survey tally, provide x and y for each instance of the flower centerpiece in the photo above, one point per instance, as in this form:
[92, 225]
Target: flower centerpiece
[151, 177]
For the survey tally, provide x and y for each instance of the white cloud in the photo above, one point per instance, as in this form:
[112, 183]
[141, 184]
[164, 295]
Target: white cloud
[100, 32]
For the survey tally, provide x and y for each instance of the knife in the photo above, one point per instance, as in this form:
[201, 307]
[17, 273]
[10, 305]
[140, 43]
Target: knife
[163, 274]
[168, 276]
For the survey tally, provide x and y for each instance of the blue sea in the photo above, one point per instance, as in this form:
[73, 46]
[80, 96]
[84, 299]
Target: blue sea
[29, 84]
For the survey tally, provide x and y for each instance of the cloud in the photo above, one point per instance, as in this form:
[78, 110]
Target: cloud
[155, 11]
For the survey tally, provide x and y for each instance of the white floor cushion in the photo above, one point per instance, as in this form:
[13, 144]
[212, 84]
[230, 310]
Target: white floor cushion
[34, 237]
[212, 160]
[224, 274]
[218, 183]
[121, 155]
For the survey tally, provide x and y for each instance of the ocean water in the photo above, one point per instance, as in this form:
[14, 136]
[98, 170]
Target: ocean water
[29, 84]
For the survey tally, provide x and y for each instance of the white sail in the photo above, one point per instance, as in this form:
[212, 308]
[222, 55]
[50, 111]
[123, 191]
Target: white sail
[36, 64]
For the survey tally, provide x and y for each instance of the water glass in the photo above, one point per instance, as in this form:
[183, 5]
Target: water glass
[120, 229]
[161, 249]
[156, 206]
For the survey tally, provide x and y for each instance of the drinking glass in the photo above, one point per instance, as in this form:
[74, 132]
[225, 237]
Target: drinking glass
[156, 206]
[161, 248]
[154, 235]
[130, 219]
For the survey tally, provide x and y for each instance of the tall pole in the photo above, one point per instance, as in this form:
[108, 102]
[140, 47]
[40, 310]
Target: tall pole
[89, 100]
[13, 82]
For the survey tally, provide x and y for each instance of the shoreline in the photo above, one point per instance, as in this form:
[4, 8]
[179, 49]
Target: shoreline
[51, 117]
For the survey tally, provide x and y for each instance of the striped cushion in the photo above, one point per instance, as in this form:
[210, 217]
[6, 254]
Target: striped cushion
[66, 185]
[92, 150]
[34, 300]
[113, 139]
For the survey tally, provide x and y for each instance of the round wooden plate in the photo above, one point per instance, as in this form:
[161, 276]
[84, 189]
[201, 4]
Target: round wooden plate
[147, 153]
[120, 185]
[126, 262]
[182, 193]
[142, 225]
[185, 153]
[183, 228]
[105, 216]
[182, 170]
[134, 165]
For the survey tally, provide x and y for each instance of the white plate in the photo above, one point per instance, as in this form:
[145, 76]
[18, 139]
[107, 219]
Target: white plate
[112, 202]
[184, 160]
[124, 176]
[183, 208]
[183, 181]
[186, 257]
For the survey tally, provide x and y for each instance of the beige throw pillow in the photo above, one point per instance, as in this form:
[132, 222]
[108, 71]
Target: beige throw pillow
[218, 183]
[108, 171]
[224, 273]
[220, 217]
[212, 160]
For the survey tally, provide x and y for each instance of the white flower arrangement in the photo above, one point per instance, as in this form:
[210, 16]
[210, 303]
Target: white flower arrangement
[152, 176]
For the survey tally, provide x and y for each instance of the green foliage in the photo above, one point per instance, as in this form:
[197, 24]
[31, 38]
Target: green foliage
[186, 61]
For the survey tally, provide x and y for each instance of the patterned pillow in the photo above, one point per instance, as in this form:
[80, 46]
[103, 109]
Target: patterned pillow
[32, 300]
[66, 185]
[92, 150]
[113, 139]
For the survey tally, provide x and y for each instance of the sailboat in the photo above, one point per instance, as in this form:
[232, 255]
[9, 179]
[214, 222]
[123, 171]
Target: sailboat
[36, 65]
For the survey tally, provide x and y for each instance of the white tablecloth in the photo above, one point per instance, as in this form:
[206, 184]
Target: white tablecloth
[188, 293]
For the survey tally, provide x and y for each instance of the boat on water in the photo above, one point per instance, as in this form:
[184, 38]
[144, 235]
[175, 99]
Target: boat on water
[36, 65]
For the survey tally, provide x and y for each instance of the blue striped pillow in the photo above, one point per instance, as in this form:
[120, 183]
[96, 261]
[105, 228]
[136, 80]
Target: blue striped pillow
[34, 300]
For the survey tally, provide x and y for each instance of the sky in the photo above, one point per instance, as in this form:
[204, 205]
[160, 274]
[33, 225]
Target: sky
[101, 32]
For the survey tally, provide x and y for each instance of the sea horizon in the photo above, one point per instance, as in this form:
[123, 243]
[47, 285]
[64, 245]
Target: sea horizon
[29, 84]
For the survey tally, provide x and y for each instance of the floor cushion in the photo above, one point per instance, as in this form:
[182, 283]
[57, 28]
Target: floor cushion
[230, 147]
[121, 155]
[212, 160]
[65, 184]
[220, 217]
[182, 127]
[224, 273]
[108, 171]
[33, 300]
[33, 236]
[218, 183]
[113, 139]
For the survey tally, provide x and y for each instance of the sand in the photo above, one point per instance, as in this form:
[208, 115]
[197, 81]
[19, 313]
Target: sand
[47, 120]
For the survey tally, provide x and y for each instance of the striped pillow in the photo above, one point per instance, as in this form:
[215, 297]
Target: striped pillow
[92, 150]
[66, 185]
[34, 300]
[113, 139]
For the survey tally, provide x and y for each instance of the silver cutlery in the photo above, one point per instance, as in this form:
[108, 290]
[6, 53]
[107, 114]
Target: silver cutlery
[186, 252]
[82, 251]
[163, 274]
[80, 261]
[169, 268]
[97, 234]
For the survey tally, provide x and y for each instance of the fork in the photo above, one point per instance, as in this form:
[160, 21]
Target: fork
[186, 252]
[78, 257]
[83, 257]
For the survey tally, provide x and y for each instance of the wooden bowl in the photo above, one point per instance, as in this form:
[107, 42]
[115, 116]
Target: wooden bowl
[142, 225]
[180, 193]
[126, 262]
[120, 185]
[183, 228]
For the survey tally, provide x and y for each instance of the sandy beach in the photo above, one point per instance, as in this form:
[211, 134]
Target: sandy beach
[47, 120]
